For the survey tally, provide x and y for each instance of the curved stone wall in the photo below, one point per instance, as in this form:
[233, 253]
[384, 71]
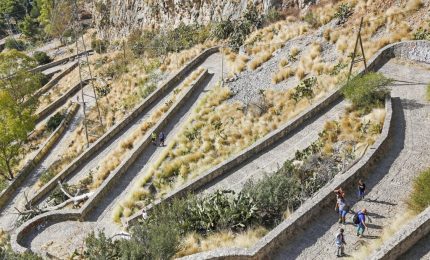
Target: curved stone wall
[418, 51]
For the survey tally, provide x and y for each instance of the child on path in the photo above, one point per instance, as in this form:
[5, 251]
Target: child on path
[154, 138]
[340, 242]
[361, 189]
[162, 138]
[361, 226]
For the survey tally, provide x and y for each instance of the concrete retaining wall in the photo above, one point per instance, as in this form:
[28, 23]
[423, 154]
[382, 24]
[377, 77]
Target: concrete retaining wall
[7, 194]
[102, 141]
[418, 51]
[59, 102]
[405, 238]
[19, 236]
[55, 80]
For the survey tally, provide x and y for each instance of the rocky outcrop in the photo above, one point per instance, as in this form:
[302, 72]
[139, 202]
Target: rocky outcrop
[117, 18]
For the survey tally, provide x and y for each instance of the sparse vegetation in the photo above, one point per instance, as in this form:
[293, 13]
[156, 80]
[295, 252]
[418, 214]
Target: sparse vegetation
[41, 57]
[420, 197]
[344, 11]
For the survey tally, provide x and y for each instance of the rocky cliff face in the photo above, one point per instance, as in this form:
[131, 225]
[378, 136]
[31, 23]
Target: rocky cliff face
[116, 18]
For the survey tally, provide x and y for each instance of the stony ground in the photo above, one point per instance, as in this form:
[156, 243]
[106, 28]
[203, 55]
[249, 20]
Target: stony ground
[267, 162]
[389, 183]
[71, 233]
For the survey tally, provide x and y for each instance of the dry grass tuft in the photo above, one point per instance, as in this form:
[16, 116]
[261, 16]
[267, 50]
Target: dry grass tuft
[195, 243]
[259, 60]
[282, 74]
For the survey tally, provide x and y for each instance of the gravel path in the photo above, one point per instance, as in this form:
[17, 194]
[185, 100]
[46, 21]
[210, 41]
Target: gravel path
[269, 161]
[391, 180]
[72, 233]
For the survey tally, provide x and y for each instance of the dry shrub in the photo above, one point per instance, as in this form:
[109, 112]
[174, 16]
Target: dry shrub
[259, 60]
[195, 243]
[281, 75]
[413, 5]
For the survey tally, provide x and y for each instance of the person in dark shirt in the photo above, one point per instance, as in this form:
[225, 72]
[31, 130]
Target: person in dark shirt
[361, 189]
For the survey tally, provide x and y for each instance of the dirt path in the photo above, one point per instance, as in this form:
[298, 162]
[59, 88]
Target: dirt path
[389, 183]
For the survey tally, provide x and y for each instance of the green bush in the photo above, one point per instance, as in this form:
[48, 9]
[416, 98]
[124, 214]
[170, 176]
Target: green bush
[422, 34]
[41, 57]
[46, 176]
[99, 46]
[13, 44]
[428, 92]
[222, 30]
[344, 11]
[367, 91]
[54, 121]
[272, 16]
[420, 197]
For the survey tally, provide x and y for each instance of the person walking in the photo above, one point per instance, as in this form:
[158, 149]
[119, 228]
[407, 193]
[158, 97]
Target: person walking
[340, 243]
[361, 189]
[339, 194]
[162, 138]
[361, 222]
[154, 138]
[342, 209]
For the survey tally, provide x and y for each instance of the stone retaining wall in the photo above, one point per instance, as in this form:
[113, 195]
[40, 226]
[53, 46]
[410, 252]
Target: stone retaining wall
[102, 141]
[380, 58]
[58, 62]
[405, 238]
[59, 102]
[311, 208]
[55, 80]
[7, 194]
[49, 218]
[418, 51]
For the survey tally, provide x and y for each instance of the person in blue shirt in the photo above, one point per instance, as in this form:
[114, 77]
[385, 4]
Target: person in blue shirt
[361, 226]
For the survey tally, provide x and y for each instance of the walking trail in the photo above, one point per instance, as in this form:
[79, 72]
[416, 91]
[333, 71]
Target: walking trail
[389, 183]
[72, 233]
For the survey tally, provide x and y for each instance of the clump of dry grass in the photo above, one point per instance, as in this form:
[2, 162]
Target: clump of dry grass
[194, 243]
[259, 60]
[282, 74]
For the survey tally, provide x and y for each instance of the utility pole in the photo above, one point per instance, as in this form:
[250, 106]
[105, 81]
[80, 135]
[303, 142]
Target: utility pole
[353, 61]
[85, 72]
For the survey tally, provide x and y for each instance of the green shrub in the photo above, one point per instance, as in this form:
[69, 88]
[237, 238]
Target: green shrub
[273, 195]
[99, 46]
[311, 19]
[222, 30]
[420, 197]
[428, 92]
[41, 57]
[367, 91]
[54, 121]
[305, 89]
[272, 16]
[344, 11]
[46, 176]
[13, 44]
[422, 34]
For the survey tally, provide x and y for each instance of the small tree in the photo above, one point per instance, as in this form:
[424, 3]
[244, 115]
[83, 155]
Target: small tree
[16, 79]
[16, 125]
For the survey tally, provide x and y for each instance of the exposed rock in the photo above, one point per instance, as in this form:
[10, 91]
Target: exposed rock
[116, 18]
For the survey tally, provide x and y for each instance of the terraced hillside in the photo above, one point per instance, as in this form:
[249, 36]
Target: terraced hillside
[263, 117]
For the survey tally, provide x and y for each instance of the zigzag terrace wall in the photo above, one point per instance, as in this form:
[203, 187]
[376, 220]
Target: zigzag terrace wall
[45, 148]
[101, 142]
[58, 62]
[55, 80]
[60, 101]
[418, 51]
[405, 238]
[63, 215]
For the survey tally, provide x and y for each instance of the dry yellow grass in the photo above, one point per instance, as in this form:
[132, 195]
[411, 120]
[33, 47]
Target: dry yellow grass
[194, 243]
[282, 74]
[259, 60]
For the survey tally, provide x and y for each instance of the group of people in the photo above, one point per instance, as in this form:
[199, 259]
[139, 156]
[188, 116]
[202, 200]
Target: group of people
[358, 219]
[161, 138]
